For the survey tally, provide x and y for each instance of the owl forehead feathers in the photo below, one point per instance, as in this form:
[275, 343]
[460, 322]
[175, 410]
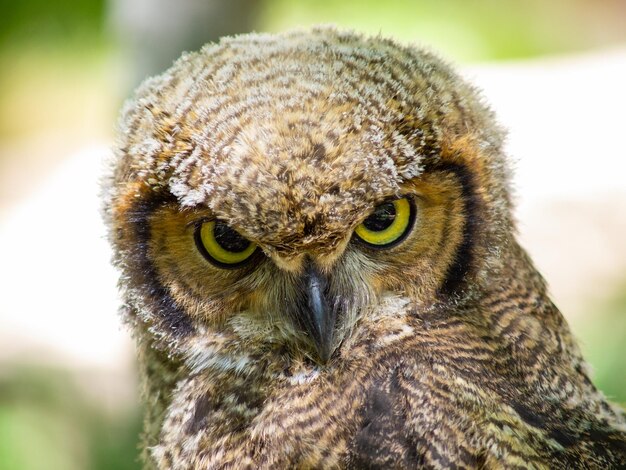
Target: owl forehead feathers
[291, 138]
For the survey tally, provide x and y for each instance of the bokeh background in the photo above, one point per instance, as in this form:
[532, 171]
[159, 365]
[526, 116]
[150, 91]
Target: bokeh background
[554, 72]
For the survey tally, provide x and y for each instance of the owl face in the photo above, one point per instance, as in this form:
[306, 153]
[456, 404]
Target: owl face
[218, 272]
[277, 189]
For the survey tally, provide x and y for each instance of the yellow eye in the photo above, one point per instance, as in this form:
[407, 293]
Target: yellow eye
[222, 245]
[388, 225]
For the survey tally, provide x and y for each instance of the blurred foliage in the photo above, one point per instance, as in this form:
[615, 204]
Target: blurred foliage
[60, 58]
[55, 58]
[466, 31]
[477, 30]
[42, 21]
[48, 422]
[54, 90]
[602, 334]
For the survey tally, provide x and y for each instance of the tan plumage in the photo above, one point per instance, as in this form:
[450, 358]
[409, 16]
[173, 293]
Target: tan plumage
[440, 350]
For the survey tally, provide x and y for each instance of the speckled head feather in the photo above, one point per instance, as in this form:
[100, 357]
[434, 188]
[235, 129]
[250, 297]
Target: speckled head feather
[442, 350]
[300, 117]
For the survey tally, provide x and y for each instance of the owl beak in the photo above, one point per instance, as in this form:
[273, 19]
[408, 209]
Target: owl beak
[317, 316]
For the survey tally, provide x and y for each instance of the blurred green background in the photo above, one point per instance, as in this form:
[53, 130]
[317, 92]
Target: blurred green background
[67, 65]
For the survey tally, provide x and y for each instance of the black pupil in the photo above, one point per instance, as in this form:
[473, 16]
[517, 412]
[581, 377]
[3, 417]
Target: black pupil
[382, 218]
[229, 239]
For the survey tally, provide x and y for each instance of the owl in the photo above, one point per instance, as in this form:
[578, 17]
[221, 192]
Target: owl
[319, 266]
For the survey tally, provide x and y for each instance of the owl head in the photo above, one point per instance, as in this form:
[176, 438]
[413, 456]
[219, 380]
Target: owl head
[270, 192]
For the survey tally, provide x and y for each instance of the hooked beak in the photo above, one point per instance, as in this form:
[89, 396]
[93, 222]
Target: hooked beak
[316, 315]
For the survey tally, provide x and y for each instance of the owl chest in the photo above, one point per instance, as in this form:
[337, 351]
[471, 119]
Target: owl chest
[389, 404]
[301, 417]
[299, 420]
